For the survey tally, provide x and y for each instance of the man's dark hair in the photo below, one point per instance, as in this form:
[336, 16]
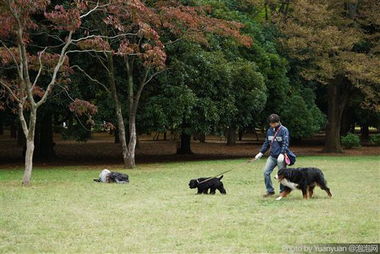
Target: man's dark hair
[274, 118]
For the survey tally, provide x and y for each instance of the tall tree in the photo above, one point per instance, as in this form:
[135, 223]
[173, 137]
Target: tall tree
[137, 33]
[335, 43]
[23, 21]
[222, 93]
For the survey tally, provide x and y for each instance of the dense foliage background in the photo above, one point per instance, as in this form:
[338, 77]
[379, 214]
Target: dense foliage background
[220, 70]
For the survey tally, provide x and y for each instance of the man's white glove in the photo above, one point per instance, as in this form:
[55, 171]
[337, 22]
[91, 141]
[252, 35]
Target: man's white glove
[280, 158]
[258, 156]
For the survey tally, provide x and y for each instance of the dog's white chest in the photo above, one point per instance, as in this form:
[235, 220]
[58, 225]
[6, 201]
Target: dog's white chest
[291, 185]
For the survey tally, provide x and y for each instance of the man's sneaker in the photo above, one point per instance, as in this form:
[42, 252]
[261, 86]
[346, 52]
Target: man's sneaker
[268, 194]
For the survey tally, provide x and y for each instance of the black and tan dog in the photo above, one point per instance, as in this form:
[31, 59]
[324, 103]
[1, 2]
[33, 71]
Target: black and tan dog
[304, 179]
[207, 183]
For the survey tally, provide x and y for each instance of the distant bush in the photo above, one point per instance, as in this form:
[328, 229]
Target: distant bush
[350, 141]
[375, 139]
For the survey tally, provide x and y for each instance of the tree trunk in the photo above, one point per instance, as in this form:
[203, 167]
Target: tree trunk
[28, 162]
[132, 141]
[231, 136]
[137, 142]
[29, 133]
[121, 127]
[132, 106]
[338, 93]
[184, 146]
[118, 110]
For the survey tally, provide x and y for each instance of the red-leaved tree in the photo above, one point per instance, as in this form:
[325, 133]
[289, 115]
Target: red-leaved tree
[132, 33]
[35, 38]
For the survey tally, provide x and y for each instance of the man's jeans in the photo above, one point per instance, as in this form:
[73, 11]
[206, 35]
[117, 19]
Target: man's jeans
[269, 166]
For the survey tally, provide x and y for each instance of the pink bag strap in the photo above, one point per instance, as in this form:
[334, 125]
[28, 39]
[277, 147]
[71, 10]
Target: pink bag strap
[287, 159]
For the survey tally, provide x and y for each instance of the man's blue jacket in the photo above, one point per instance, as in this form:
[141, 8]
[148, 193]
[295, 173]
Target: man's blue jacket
[280, 144]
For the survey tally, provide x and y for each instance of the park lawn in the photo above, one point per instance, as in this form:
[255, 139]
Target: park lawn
[65, 211]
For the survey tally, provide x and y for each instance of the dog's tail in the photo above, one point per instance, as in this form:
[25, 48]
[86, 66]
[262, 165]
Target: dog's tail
[321, 178]
[323, 184]
[220, 177]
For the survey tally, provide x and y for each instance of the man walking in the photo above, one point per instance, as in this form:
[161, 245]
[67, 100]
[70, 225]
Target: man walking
[277, 141]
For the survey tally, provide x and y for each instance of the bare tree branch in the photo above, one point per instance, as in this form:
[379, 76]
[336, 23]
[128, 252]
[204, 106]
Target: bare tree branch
[89, 12]
[172, 42]
[103, 36]
[67, 93]
[56, 69]
[102, 62]
[91, 78]
[153, 75]
[75, 114]
[13, 57]
[22, 119]
[25, 78]
[40, 69]
[143, 82]
[86, 51]
[94, 51]
[56, 37]
[93, 9]
[9, 90]
[139, 91]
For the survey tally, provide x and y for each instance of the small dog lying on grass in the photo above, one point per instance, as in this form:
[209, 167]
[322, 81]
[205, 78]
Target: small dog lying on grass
[206, 183]
[107, 176]
[304, 179]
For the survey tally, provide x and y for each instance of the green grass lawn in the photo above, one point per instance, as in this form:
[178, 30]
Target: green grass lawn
[65, 211]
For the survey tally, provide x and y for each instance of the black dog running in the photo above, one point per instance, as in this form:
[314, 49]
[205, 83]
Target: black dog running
[205, 184]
